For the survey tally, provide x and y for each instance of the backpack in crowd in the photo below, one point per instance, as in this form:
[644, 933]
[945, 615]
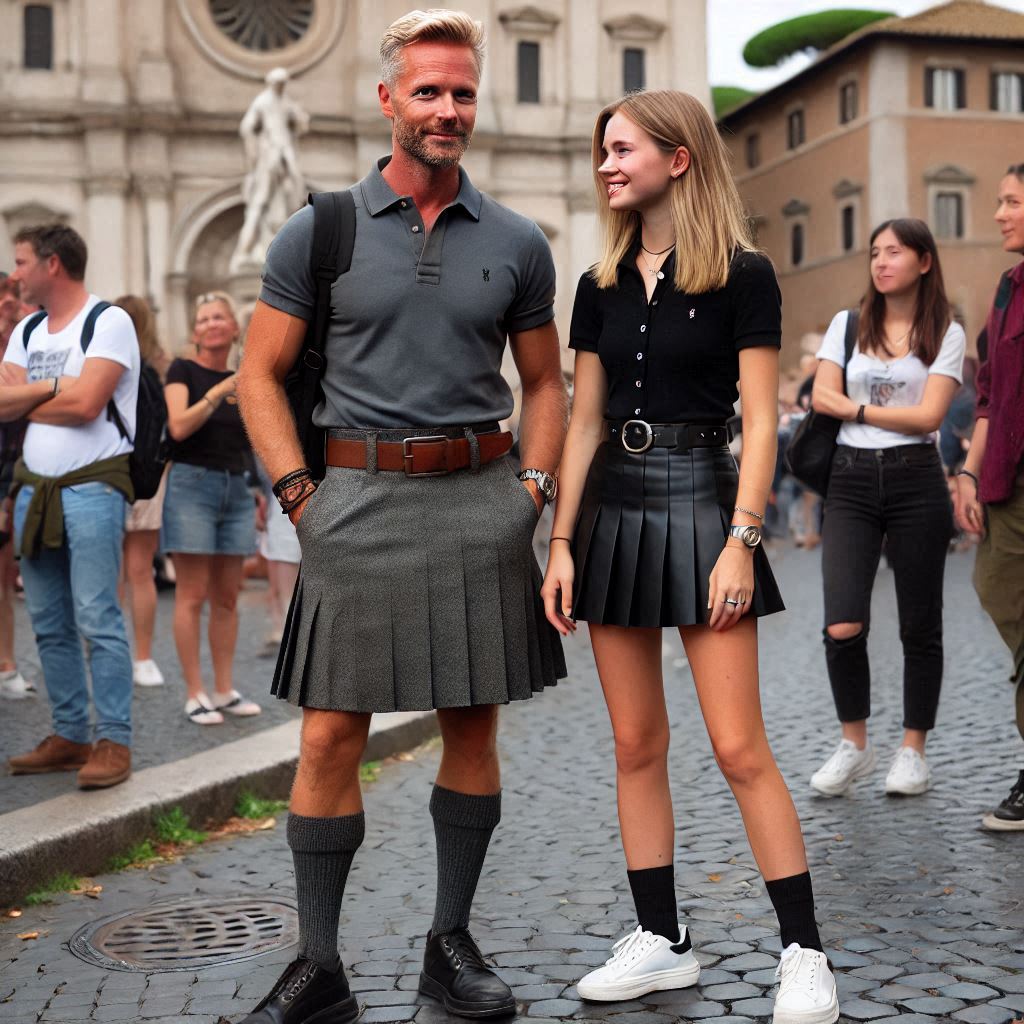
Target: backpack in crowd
[149, 446]
[334, 235]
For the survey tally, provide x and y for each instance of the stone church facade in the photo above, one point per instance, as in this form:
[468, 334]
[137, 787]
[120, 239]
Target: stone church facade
[120, 117]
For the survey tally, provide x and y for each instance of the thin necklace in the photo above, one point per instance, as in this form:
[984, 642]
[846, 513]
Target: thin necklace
[653, 270]
[653, 253]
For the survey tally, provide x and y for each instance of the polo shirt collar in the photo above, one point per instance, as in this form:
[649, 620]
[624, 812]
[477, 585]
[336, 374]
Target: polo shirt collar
[379, 196]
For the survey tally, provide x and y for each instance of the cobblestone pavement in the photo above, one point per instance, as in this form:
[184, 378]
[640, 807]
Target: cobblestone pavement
[920, 909]
[161, 731]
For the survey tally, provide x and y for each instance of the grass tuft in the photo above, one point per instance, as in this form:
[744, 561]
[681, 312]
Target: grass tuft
[251, 806]
[138, 854]
[64, 882]
[173, 827]
[369, 772]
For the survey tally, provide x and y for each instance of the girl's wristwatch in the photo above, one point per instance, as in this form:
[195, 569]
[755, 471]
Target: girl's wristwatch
[750, 535]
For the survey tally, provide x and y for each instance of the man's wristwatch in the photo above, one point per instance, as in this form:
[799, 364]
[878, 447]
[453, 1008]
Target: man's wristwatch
[546, 483]
[750, 535]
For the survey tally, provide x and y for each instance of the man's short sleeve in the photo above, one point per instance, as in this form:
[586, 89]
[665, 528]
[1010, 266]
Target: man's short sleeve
[585, 327]
[288, 283]
[756, 302]
[833, 345]
[114, 338]
[16, 345]
[534, 305]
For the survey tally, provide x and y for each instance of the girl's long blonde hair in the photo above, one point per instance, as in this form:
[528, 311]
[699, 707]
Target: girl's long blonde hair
[707, 212]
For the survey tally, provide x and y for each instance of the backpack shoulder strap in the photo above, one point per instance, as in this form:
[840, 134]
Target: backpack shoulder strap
[89, 327]
[334, 231]
[850, 339]
[34, 321]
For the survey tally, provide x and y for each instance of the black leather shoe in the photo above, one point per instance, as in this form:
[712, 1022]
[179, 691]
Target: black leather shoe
[307, 994]
[455, 974]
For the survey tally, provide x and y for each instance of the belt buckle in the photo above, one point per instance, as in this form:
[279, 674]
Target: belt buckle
[408, 455]
[649, 439]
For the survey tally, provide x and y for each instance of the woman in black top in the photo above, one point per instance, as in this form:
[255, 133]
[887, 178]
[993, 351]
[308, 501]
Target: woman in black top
[208, 510]
[654, 527]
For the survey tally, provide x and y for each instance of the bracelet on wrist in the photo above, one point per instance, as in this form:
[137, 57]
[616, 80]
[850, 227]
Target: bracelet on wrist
[295, 495]
[968, 473]
[568, 540]
[291, 478]
[56, 387]
[748, 511]
[860, 414]
[210, 402]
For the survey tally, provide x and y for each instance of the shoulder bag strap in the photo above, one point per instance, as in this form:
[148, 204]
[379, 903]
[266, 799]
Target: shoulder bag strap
[850, 340]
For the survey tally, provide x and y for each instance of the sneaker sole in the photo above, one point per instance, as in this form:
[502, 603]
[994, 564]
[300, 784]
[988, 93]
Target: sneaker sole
[434, 989]
[657, 981]
[148, 682]
[994, 824]
[826, 1015]
[860, 773]
[344, 1012]
[908, 790]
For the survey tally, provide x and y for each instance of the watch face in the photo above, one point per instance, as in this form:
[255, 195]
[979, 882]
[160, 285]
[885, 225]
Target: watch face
[751, 536]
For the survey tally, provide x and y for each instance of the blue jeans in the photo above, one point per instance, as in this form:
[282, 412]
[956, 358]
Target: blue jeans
[70, 593]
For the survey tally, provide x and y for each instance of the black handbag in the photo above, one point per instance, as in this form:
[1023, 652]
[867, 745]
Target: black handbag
[810, 451]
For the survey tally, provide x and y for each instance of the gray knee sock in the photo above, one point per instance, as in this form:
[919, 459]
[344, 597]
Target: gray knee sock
[322, 849]
[462, 826]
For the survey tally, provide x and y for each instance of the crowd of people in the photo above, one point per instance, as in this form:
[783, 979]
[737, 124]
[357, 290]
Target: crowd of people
[441, 603]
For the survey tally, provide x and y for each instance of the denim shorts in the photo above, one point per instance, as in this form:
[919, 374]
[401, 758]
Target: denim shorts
[208, 512]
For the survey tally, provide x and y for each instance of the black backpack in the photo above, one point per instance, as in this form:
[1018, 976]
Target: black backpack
[334, 234]
[149, 446]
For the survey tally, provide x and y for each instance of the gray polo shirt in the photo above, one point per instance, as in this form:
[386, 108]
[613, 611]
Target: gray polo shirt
[420, 321]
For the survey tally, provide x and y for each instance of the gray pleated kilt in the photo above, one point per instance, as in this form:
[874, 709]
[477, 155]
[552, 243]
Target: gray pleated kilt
[417, 593]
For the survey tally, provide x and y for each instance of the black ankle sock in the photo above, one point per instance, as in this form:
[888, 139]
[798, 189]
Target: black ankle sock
[654, 893]
[793, 900]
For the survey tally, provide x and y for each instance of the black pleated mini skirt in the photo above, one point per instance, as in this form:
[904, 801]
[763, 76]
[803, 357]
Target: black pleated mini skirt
[650, 529]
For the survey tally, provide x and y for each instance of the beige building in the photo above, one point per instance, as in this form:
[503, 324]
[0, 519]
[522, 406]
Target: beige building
[121, 118]
[916, 116]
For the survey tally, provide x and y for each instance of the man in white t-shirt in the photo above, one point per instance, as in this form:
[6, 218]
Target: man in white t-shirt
[74, 372]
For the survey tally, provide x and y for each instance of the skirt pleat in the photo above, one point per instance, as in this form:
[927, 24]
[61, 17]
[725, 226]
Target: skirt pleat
[416, 594]
[649, 532]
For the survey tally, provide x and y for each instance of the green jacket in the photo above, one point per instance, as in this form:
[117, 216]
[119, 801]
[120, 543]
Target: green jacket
[44, 519]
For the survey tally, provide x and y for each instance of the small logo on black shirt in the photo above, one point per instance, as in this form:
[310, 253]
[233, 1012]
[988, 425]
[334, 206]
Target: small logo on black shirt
[693, 313]
[487, 273]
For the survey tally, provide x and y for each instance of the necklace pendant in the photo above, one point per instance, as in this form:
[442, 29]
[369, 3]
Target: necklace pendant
[660, 275]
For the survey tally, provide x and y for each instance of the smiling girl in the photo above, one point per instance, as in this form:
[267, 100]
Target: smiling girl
[888, 484]
[655, 528]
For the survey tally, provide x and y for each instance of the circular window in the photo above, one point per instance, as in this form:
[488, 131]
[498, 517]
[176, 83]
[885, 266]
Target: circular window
[263, 24]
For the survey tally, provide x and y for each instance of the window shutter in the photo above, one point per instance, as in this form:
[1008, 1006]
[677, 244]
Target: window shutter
[38, 33]
[961, 88]
[929, 87]
[528, 72]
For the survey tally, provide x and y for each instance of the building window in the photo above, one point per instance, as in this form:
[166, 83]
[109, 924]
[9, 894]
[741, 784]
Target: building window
[753, 150]
[528, 72]
[847, 102]
[847, 221]
[795, 129]
[945, 88]
[634, 72]
[268, 25]
[796, 245]
[38, 36]
[949, 215]
[1008, 92]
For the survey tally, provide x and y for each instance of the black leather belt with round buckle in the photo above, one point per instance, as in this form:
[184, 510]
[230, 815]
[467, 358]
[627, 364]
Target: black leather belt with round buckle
[638, 436]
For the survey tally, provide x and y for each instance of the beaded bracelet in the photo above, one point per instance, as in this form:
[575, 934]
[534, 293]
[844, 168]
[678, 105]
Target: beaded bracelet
[291, 478]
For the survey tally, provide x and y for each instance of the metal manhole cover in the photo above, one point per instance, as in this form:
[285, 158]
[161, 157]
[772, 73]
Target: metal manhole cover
[187, 935]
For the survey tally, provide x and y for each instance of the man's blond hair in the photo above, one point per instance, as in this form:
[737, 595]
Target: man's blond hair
[436, 25]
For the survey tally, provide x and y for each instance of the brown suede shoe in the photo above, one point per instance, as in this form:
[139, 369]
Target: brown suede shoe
[54, 754]
[109, 764]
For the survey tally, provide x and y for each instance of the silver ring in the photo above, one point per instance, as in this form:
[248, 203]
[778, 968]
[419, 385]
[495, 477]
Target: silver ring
[648, 439]
[727, 600]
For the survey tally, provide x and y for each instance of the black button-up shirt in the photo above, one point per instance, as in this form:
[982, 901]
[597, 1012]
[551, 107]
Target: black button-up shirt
[675, 359]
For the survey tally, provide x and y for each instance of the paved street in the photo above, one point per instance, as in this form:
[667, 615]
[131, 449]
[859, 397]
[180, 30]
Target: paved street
[920, 909]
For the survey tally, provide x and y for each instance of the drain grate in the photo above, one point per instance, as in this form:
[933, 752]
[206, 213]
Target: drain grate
[187, 935]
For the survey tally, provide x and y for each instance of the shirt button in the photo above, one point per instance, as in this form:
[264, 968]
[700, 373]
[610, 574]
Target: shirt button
[403, 204]
[643, 328]
[655, 302]
[639, 383]
[415, 228]
[636, 412]
[639, 355]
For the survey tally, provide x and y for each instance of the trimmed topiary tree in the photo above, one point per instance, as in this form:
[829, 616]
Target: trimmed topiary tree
[725, 97]
[807, 32]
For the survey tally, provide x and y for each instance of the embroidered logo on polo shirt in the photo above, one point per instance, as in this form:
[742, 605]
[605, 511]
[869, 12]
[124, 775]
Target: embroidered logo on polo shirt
[693, 313]
[487, 273]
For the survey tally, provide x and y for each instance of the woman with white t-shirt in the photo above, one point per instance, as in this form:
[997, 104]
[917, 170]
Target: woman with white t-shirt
[887, 484]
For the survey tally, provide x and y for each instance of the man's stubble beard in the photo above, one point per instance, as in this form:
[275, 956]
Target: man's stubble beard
[415, 144]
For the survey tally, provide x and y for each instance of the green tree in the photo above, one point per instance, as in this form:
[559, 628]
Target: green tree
[725, 97]
[807, 32]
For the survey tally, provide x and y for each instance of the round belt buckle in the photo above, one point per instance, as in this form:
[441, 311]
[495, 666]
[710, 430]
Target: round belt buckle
[646, 432]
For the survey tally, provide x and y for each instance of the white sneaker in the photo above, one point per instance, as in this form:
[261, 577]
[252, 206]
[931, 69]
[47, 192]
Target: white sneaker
[641, 962]
[807, 991]
[848, 762]
[909, 774]
[234, 703]
[15, 686]
[146, 673]
[202, 712]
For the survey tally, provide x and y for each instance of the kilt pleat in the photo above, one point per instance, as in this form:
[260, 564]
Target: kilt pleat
[416, 594]
[649, 532]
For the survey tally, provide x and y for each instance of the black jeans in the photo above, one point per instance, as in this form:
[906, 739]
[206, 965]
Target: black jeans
[898, 495]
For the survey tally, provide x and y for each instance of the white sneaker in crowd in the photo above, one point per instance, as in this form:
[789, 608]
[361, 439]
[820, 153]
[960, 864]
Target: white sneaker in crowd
[146, 673]
[909, 774]
[641, 962]
[847, 763]
[201, 711]
[234, 703]
[15, 686]
[807, 991]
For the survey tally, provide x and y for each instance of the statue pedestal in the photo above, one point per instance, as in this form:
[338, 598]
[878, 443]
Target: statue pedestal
[245, 285]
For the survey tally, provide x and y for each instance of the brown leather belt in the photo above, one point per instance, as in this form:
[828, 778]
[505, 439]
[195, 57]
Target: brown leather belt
[433, 455]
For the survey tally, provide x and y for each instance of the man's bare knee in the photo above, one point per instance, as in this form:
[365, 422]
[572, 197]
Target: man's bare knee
[332, 738]
[845, 630]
